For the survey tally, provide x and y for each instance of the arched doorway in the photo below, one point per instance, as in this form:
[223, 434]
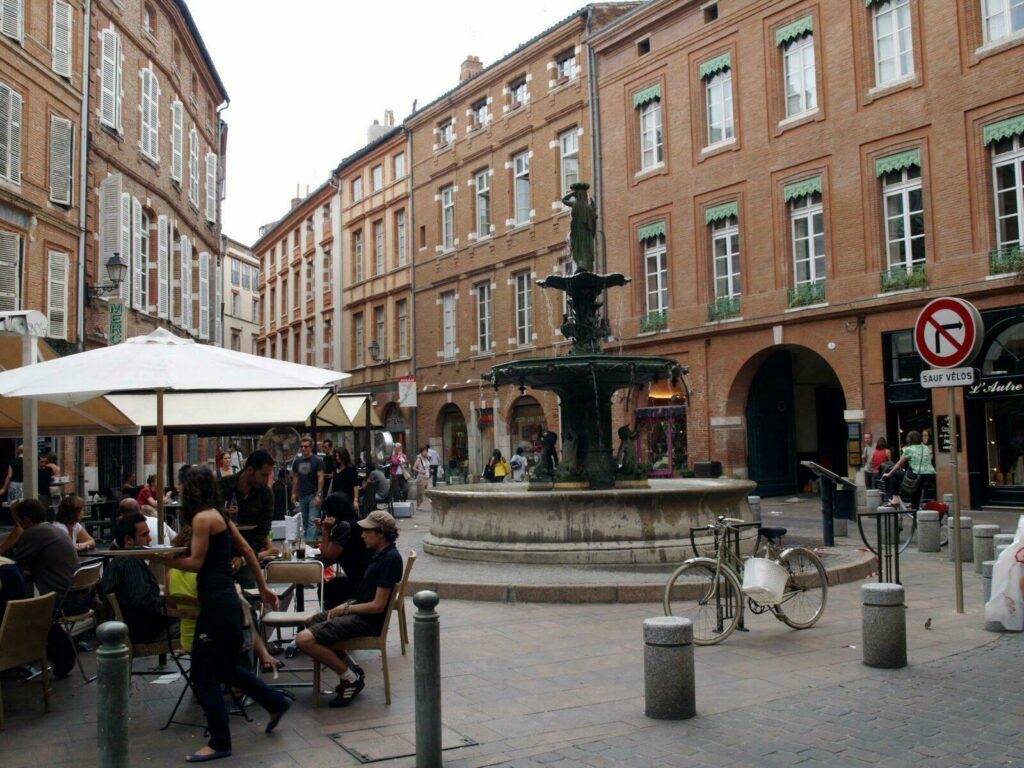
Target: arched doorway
[454, 443]
[526, 423]
[394, 422]
[661, 429]
[794, 413]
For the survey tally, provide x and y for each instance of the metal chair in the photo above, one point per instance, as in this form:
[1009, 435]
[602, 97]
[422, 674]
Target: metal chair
[23, 634]
[84, 584]
[161, 648]
[297, 574]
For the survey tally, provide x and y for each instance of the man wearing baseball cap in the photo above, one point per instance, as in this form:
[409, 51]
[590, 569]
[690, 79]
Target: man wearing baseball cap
[362, 617]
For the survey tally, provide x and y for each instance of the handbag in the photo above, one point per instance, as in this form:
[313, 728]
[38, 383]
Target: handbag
[911, 479]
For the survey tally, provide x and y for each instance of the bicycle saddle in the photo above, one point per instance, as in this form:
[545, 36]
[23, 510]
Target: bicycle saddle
[772, 534]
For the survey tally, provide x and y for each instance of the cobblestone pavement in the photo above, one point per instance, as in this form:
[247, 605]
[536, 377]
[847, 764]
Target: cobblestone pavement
[963, 710]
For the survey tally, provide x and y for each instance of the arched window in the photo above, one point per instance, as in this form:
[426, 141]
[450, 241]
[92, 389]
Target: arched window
[1005, 355]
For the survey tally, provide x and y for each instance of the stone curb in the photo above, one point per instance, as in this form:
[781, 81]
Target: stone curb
[859, 566]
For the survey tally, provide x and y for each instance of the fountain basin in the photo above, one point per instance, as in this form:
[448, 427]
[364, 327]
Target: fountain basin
[510, 524]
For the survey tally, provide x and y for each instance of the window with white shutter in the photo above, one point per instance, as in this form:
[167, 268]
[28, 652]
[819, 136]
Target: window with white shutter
[12, 19]
[57, 295]
[125, 251]
[110, 79]
[149, 112]
[135, 261]
[216, 278]
[163, 266]
[177, 139]
[11, 245]
[193, 167]
[10, 134]
[110, 222]
[62, 21]
[211, 187]
[62, 133]
[186, 284]
[204, 295]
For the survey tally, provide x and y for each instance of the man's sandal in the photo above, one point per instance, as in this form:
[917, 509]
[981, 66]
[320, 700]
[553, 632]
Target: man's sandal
[216, 755]
[346, 692]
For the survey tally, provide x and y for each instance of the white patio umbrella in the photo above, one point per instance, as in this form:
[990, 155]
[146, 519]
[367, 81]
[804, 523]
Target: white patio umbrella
[157, 363]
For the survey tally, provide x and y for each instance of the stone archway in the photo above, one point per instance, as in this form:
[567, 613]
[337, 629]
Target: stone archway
[451, 425]
[526, 420]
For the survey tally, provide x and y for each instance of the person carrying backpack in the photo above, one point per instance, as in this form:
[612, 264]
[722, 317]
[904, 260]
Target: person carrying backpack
[518, 464]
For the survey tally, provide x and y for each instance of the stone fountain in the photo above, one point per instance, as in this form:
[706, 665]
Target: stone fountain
[573, 513]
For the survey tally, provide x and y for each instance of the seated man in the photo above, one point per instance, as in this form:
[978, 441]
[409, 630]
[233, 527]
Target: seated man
[12, 586]
[44, 552]
[376, 488]
[341, 543]
[363, 617]
[130, 507]
[133, 584]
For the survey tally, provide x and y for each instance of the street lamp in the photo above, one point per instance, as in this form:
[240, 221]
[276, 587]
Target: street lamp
[375, 355]
[116, 271]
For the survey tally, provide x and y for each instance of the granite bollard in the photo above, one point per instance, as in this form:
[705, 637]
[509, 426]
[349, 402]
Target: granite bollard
[986, 586]
[928, 531]
[669, 691]
[884, 625]
[983, 550]
[1002, 538]
[966, 545]
[113, 673]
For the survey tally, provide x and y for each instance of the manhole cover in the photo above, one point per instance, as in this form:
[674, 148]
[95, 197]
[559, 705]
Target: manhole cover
[371, 745]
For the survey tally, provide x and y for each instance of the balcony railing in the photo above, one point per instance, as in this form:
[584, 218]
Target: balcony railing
[806, 294]
[723, 308]
[1002, 261]
[654, 321]
[900, 279]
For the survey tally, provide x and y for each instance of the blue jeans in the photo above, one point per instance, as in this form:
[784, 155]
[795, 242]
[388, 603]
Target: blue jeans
[310, 512]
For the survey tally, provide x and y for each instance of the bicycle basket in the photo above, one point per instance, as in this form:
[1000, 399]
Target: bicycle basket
[764, 580]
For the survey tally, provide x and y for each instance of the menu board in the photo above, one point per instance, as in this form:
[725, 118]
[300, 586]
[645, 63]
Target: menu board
[945, 438]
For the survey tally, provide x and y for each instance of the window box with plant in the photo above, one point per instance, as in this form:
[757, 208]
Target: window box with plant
[723, 308]
[806, 294]
[899, 278]
[1003, 261]
[654, 321]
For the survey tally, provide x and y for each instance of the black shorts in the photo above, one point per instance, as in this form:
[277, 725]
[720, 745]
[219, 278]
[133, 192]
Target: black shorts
[330, 631]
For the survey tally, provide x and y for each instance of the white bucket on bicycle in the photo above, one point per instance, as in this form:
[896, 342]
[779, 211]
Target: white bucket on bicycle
[764, 580]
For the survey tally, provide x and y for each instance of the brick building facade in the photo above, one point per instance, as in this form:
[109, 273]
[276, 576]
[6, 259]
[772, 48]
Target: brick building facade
[240, 287]
[789, 182]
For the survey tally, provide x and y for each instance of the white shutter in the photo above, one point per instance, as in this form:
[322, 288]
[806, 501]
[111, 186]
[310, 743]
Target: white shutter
[204, 295]
[62, 20]
[217, 277]
[211, 187]
[10, 272]
[185, 284]
[193, 167]
[125, 250]
[163, 270]
[138, 271]
[62, 134]
[57, 295]
[177, 139]
[110, 221]
[12, 19]
[10, 134]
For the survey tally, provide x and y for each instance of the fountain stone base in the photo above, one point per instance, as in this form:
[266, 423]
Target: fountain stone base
[507, 523]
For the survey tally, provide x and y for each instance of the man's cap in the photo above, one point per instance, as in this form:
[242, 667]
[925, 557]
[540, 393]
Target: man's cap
[379, 519]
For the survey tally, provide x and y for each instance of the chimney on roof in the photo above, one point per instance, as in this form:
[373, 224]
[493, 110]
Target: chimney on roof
[469, 68]
[389, 118]
[377, 130]
[296, 201]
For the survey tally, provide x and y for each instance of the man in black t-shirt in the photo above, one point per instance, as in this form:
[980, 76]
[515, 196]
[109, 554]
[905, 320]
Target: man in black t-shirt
[363, 617]
[341, 543]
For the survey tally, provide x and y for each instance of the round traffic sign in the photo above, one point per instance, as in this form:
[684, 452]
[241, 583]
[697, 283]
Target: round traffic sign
[948, 332]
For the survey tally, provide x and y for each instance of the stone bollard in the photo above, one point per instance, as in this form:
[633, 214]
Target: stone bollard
[982, 535]
[873, 498]
[966, 545]
[1002, 538]
[947, 499]
[928, 531]
[426, 632]
[998, 550]
[754, 502]
[884, 626]
[668, 668]
[986, 579]
[113, 673]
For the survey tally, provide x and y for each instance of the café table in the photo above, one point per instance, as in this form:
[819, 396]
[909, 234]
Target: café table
[137, 552]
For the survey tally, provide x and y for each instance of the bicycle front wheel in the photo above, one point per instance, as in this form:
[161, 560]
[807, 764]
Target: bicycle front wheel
[906, 526]
[803, 599]
[713, 604]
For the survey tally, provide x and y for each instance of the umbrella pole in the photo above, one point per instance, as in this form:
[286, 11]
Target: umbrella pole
[159, 466]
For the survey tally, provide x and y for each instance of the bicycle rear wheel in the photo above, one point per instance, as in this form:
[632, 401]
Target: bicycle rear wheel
[803, 599]
[907, 526]
[713, 604]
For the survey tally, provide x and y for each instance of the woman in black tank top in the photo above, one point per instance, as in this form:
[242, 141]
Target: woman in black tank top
[219, 631]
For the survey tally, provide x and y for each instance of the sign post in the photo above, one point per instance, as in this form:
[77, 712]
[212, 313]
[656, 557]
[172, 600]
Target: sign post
[948, 334]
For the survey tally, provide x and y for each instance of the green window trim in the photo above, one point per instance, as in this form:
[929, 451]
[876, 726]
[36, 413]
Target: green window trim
[898, 162]
[801, 188]
[653, 93]
[651, 231]
[712, 67]
[723, 211]
[797, 29]
[1004, 129]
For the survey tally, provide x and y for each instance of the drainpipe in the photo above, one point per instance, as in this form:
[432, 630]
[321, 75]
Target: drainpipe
[83, 173]
[410, 243]
[595, 143]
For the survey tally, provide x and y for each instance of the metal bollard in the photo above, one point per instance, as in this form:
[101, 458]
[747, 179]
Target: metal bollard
[982, 536]
[754, 502]
[427, 663]
[668, 668]
[113, 672]
[884, 625]
[928, 531]
[966, 545]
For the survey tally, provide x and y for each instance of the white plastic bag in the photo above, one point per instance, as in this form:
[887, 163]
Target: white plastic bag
[1006, 605]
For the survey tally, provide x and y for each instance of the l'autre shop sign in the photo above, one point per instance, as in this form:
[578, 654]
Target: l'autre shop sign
[1002, 386]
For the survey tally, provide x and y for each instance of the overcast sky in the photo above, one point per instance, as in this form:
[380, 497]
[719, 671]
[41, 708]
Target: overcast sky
[306, 78]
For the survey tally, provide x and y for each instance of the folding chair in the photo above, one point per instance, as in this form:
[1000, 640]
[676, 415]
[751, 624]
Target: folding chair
[374, 643]
[181, 607]
[161, 648]
[84, 584]
[297, 574]
[23, 634]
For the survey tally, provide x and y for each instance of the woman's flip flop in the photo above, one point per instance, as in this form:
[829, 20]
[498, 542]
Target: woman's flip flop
[217, 755]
